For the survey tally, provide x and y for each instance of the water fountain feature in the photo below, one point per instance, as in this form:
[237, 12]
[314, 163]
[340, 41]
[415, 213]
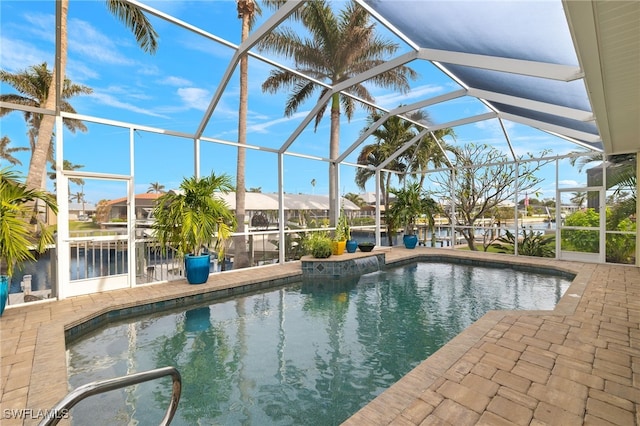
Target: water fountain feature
[346, 265]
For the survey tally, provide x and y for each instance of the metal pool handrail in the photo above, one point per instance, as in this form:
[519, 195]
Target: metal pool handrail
[61, 409]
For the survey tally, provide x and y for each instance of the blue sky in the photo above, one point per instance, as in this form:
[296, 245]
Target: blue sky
[171, 90]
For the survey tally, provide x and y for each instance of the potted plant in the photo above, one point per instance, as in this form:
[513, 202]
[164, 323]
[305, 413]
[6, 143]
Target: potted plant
[350, 245]
[320, 245]
[17, 221]
[405, 210]
[342, 235]
[195, 220]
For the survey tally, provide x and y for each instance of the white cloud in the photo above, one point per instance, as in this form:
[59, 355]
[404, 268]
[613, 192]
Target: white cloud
[148, 70]
[109, 100]
[40, 25]
[85, 40]
[392, 100]
[16, 55]
[175, 81]
[194, 97]
[262, 127]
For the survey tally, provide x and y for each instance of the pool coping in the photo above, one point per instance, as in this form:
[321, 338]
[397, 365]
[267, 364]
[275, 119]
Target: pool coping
[34, 369]
[400, 396]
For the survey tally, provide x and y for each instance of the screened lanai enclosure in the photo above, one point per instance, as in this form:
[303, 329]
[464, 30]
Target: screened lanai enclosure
[517, 122]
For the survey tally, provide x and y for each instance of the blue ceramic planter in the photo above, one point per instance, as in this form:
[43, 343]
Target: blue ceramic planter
[410, 241]
[352, 246]
[4, 292]
[197, 268]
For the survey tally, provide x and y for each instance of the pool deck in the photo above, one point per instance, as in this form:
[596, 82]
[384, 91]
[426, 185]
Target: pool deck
[578, 364]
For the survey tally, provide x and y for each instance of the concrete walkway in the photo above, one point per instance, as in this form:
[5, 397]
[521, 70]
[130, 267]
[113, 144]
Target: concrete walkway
[578, 364]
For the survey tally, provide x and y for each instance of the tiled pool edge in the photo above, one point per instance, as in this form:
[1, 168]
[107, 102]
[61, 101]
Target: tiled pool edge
[211, 294]
[47, 372]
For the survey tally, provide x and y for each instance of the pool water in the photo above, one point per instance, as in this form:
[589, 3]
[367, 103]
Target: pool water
[311, 353]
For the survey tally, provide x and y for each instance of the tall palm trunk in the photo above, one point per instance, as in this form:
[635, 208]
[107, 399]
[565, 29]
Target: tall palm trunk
[241, 259]
[387, 205]
[36, 178]
[334, 151]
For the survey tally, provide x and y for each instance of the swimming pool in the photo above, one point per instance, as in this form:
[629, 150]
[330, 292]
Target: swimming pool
[307, 353]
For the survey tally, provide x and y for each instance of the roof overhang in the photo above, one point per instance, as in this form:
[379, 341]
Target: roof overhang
[606, 35]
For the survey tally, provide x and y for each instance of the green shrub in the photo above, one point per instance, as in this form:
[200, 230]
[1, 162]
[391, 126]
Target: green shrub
[581, 240]
[532, 243]
[620, 248]
[319, 245]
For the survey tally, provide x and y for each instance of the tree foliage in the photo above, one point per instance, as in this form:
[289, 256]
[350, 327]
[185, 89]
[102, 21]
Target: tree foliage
[337, 46]
[193, 218]
[483, 177]
[20, 229]
[532, 243]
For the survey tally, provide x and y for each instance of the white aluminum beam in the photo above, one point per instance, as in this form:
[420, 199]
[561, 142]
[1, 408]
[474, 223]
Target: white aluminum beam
[572, 113]
[463, 121]
[588, 137]
[496, 63]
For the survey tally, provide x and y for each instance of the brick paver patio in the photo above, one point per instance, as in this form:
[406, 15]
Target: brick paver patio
[578, 364]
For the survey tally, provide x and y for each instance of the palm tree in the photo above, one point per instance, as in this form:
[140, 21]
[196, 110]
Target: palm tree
[390, 136]
[78, 196]
[192, 219]
[340, 46]
[6, 153]
[247, 10]
[578, 198]
[66, 165]
[355, 199]
[146, 37]
[16, 218]
[430, 150]
[430, 208]
[621, 170]
[155, 188]
[33, 85]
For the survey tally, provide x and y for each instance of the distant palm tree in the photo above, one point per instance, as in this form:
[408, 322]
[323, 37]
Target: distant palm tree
[340, 46]
[33, 85]
[6, 153]
[78, 196]
[66, 165]
[146, 37]
[155, 188]
[578, 198]
[355, 199]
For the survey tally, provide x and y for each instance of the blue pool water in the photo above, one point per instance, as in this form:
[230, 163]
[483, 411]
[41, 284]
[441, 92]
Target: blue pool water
[311, 353]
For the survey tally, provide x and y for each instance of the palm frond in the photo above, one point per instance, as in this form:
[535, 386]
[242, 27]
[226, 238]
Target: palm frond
[133, 17]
